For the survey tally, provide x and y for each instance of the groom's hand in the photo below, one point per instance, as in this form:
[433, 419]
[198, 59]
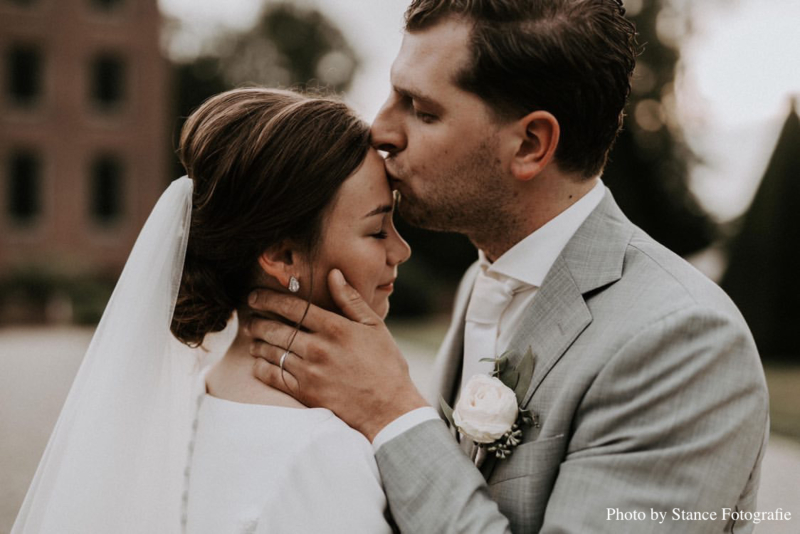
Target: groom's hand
[350, 365]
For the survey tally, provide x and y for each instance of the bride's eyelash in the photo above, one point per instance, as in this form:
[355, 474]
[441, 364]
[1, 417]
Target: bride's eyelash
[381, 235]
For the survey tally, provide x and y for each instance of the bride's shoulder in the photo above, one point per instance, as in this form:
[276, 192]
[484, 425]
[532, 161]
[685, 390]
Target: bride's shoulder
[338, 431]
[337, 452]
[333, 438]
[335, 474]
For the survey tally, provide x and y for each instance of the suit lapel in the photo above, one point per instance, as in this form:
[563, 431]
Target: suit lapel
[593, 258]
[557, 315]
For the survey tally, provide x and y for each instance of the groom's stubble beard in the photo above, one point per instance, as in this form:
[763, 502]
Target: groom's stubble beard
[471, 198]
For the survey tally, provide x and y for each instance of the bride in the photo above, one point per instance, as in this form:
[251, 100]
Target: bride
[165, 428]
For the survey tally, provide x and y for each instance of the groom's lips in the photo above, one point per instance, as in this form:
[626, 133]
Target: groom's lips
[396, 183]
[393, 180]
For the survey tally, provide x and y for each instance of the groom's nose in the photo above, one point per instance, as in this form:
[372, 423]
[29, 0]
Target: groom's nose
[388, 133]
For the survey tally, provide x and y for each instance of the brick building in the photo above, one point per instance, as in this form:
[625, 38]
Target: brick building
[84, 131]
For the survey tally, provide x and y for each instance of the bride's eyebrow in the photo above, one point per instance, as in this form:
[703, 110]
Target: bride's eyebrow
[380, 210]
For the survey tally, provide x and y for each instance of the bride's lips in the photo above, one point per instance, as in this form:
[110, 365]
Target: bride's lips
[389, 286]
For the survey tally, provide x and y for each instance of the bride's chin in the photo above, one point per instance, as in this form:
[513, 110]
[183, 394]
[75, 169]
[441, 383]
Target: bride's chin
[382, 309]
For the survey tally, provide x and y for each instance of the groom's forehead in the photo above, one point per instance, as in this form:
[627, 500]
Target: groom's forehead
[441, 51]
[448, 39]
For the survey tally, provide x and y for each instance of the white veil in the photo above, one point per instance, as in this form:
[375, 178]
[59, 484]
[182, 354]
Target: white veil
[115, 460]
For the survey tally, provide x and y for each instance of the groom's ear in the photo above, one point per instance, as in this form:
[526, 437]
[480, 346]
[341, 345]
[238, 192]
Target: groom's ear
[536, 138]
[279, 262]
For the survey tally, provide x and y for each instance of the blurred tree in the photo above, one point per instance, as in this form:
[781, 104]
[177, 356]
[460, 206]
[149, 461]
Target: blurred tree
[287, 47]
[194, 83]
[648, 167]
[765, 258]
[290, 46]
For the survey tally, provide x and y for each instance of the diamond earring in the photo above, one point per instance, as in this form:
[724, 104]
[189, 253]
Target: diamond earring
[294, 285]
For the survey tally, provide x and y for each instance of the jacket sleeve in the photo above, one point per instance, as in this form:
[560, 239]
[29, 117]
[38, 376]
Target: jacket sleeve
[432, 487]
[673, 427]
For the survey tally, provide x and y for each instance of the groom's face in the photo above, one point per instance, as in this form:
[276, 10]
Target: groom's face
[446, 153]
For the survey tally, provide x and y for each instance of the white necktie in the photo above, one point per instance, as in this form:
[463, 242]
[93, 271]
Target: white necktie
[490, 298]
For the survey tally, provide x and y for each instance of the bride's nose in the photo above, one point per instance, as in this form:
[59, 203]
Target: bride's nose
[399, 250]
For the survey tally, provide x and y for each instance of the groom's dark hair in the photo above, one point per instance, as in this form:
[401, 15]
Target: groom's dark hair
[572, 58]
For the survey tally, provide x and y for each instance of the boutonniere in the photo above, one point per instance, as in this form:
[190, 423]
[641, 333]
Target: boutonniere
[488, 409]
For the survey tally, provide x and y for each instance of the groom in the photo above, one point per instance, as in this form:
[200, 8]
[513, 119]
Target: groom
[647, 386]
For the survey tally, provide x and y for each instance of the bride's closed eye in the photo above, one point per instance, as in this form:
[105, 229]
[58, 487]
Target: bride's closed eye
[383, 231]
[387, 212]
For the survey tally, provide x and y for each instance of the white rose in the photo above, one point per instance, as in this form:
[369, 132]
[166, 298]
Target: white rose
[486, 410]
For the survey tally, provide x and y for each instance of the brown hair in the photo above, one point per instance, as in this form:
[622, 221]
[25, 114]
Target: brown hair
[573, 58]
[266, 164]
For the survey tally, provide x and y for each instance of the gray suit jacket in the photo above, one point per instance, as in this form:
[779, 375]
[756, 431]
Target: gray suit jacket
[650, 395]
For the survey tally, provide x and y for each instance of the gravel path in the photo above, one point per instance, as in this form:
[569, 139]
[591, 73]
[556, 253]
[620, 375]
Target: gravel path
[37, 366]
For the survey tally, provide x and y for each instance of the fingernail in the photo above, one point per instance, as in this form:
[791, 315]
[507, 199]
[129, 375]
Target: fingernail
[252, 298]
[339, 277]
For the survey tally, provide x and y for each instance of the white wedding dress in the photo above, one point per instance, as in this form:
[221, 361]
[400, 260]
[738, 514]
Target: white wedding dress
[258, 469]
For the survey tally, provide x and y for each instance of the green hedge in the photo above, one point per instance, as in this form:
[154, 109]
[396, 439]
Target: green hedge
[33, 293]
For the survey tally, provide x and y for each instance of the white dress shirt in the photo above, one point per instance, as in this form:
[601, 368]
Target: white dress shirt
[527, 263]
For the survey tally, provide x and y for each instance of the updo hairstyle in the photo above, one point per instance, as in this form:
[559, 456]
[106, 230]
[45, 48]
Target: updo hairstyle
[266, 165]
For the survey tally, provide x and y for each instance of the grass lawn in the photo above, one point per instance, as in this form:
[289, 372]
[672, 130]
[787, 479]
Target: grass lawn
[783, 381]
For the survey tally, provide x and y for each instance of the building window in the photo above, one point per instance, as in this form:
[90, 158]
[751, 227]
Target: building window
[106, 5]
[108, 81]
[106, 190]
[24, 193]
[24, 67]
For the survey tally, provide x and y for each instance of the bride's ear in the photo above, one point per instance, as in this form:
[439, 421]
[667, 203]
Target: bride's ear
[280, 262]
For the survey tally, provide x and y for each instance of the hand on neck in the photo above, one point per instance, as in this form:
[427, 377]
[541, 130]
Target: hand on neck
[232, 377]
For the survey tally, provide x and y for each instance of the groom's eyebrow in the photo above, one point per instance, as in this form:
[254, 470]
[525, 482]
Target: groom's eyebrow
[380, 210]
[416, 95]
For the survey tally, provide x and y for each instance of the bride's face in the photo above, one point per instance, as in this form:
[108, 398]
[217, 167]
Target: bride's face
[359, 238]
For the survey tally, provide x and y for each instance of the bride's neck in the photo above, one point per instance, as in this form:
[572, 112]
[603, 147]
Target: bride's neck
[232, 377]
